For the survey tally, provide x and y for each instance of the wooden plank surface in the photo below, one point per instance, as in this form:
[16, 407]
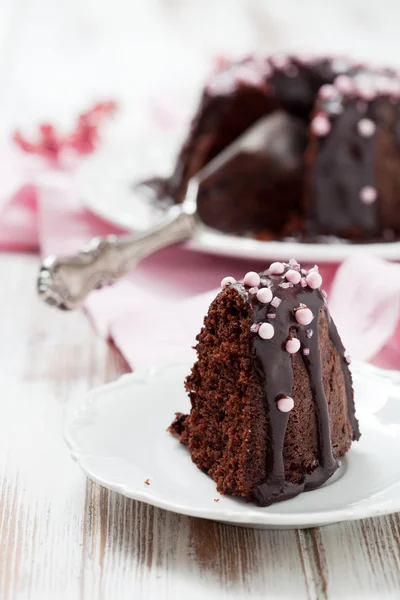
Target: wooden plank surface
[62, 537]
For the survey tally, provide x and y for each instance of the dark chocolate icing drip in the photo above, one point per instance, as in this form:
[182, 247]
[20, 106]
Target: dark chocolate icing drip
[274, 368]
[344, 164]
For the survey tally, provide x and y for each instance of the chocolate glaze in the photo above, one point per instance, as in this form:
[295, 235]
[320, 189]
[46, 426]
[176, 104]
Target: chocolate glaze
[273, 365]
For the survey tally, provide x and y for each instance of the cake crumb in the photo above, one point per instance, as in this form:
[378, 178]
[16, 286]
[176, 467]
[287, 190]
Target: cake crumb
[147, 482]
[216, 499]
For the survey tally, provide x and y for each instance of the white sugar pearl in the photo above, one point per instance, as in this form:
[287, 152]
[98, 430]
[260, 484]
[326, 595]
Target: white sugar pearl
[285, 404]
[264, 295]
[314, 280]
[227, 281]
[366, 127]
[293, 346]
[304, 315]
[368, 194]
[277, 268]
[266, 331]
[320, 125]
[252, 279]
[293, 276]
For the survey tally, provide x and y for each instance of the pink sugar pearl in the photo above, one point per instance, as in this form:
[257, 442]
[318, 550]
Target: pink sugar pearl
[227, 281]
[344, 84]
[266, 331]
[320, 125]
[285, 404]
[293, 276]
[277, 268]
[303, 315]
[327, 92]
[293, 346]
[314, 280]
[368, 194]
[366, 127]
[264, 295]
[251, 278]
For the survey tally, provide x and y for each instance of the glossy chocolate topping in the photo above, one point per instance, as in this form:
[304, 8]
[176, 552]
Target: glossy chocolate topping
[273, 364]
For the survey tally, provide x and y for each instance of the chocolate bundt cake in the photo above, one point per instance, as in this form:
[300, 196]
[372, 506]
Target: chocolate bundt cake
[272, 407]
[347, 181]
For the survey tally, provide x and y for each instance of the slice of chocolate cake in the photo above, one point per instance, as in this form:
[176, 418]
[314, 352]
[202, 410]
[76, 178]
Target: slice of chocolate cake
[271, 392]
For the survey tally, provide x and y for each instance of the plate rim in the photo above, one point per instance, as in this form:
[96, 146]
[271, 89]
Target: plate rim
[250, 518]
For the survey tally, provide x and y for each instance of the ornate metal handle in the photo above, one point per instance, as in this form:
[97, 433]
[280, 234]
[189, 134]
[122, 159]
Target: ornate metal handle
[66, 281]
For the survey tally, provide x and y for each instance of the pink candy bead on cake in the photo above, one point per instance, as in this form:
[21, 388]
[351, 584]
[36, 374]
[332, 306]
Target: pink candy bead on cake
[314, 280]
[264, 295]
[320, 125]
[366, 127]
[252, 279]
[266, 331]
[277, 268]
[227, 281]
[327, 92]
[293, 346]
[368, 194]
[303, 315]
[285, 403]
[293, 276]
[344, 84]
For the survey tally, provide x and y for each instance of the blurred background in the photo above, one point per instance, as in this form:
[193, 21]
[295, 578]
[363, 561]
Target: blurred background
[55, 57]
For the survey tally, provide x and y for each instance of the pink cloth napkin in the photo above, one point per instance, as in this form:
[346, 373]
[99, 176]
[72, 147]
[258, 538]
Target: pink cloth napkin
[154, 313]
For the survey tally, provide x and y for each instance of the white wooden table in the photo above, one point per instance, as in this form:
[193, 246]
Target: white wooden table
[62, 537]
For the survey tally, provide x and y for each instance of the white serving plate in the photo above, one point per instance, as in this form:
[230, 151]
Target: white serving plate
[118, 437]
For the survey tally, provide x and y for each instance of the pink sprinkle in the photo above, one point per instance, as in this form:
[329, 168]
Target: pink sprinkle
[320, 125]
[286, 285]
[368, 194]
[303, 316]
[277, 268]
[271, 316]
[279, 61]
[303, 282]
[275, 302]
[293, 346]
[251, 278]
[266, 331]
[366, 127]
[344, 84]
[264, 295]
[227, 281]
[253, 290]
[327, 92]
[347, 358]
[291, 71]
[255, 327]
[293, 276]
[314, 280]
[306, 351]
[303, 271]
[293, 264]
[309, 333]
[285, 404]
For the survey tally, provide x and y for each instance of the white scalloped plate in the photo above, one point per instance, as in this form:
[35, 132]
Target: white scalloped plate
[105, 180]
[118, 437]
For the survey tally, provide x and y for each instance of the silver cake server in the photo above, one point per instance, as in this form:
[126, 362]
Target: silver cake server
[65, 281]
